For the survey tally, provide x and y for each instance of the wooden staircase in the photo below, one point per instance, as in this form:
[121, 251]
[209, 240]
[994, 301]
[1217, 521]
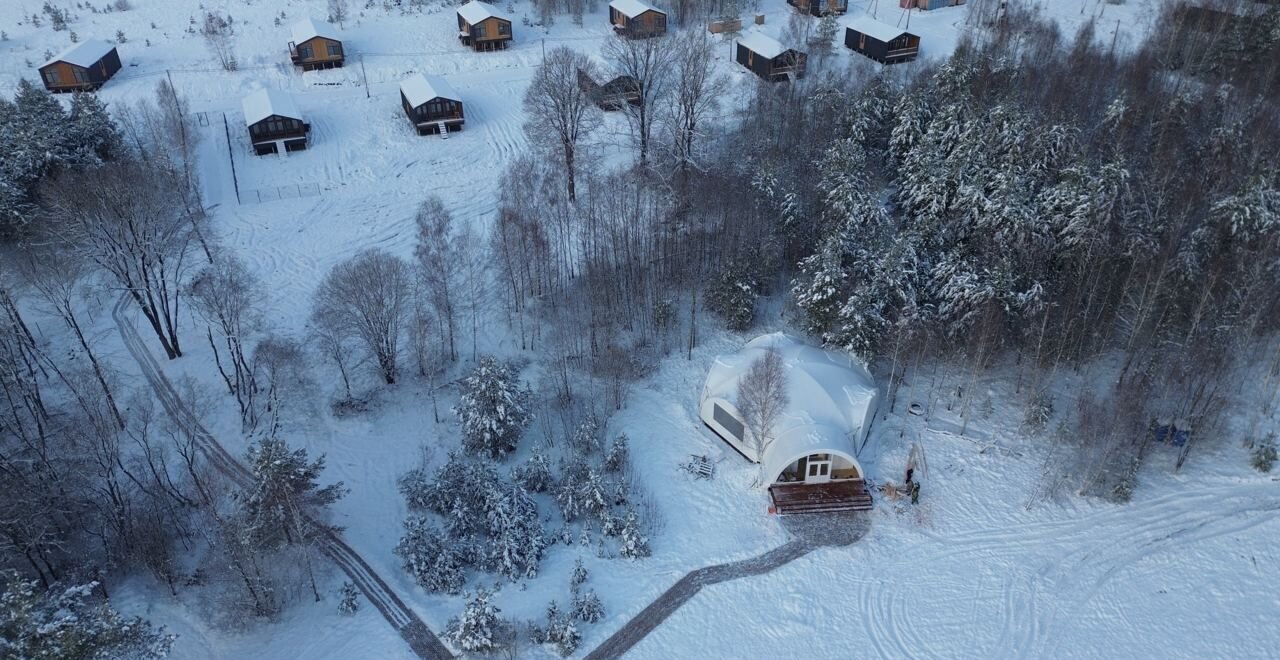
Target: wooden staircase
[850, 495]
[444, 130]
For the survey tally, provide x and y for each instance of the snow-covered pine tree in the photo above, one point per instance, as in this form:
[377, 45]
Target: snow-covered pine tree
[284, 488]
[535, 475]
[92, 135]
[587, 607]
[350, 599]
[478, 629]
[72, 623]
[586, 436]
[618, 456]
[494, 409]
[633, 544]
[516, 537]
[579, 575]
[819, 290]
[429, 557]
[567, 490]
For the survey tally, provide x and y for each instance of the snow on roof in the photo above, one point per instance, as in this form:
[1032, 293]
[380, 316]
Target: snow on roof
[633, 8]
[266, 102]
[83, 54]
[307, 29]
[475, 11]
[419, 89]
[873, 28]
[830, 399]
[762, 44]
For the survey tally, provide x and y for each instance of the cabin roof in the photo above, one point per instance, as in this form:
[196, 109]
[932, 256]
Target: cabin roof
[475, 11]
[419, 89]
[308, 29]
[633, 8]
[873, 28]
[762, 44]
[83, 54]
[266, 102]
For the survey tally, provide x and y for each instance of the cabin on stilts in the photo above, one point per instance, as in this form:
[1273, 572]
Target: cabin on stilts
[927, 5]
[613, 95]
[881, 42]
[811, 463]
[82, 67]
[315, 45]
[274, 122]
[636, 19]
[768, 58]
[482, 27]
[820, 7]
[432, 105]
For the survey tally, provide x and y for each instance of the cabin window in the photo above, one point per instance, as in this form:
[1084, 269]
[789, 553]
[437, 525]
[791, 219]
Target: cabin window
[728, 421]
[660, 23]
[335, 50]
[862, 41]
[51, 76]
[304, 51]
[81, 75]
[478, 31]
[503, 28]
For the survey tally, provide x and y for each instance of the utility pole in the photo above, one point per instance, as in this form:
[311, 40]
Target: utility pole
[544, 51]
[365, 76]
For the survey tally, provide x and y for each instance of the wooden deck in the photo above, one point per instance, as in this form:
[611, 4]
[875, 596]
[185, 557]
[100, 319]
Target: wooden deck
[848, 495]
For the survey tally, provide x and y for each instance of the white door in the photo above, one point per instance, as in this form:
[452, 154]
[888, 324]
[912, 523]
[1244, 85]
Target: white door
[818, 469]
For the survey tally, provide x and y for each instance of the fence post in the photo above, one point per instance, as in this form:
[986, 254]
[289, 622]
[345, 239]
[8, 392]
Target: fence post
[230, 154]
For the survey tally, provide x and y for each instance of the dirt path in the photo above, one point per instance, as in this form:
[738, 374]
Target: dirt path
[424, 643]
[809, 532]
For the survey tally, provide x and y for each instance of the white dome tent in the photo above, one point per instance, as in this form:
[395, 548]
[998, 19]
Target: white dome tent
[811, 464]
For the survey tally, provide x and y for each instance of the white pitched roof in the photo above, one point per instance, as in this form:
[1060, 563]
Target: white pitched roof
[831, 400]
[310, 29]
[475, 11]
[762, 44]
[419, 89]
[266, 102]
[83, 54]
[633, 8]
[873, 28]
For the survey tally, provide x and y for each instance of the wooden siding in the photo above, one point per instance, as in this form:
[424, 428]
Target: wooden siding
[650, 23]
[902, 49]
[492, 28]
[319, 52]
[426, 123]
[92, 77]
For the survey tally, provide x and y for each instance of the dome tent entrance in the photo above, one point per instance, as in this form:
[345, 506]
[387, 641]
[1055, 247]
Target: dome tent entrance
[831, 402]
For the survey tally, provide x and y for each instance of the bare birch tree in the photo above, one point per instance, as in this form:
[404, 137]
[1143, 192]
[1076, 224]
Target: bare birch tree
[695, 95]
[439, 254]
[647, 64]
[139, 234]
[367, 297]
[228, 297]
[762, 396]
[561, 114]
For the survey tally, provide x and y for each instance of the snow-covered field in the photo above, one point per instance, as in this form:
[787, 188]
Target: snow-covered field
[982, 569]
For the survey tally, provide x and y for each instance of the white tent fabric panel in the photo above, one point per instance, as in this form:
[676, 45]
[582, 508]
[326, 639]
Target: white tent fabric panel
[831, 402]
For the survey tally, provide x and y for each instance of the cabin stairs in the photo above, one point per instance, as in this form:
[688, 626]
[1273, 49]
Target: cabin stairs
[444, 130]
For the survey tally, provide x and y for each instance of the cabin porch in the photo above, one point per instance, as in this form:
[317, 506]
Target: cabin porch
[800, 497]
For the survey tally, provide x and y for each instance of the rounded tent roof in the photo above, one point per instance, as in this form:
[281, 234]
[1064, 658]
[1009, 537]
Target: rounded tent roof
[830, 398]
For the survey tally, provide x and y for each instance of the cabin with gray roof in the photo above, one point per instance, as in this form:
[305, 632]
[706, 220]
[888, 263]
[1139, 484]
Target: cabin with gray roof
[482, 27]
[881, 42]
[82, 67]
[432, 105]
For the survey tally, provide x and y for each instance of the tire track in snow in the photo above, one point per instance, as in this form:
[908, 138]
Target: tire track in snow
[415, 632]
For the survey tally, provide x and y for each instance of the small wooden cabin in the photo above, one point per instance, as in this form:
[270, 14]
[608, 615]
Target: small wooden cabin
[315, 45]
[431, 105]
[274, 122]
[482, 27]
[769, 59]
[881, 42]
[613, 95]
[928, 4]
[82, 67]
[636, 19]
[820, 7]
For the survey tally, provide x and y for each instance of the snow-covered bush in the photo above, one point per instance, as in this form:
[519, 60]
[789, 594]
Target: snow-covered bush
[1039, 412]
[494, 409]
[72, 623]
[733, 293]
[633, 544]
[579, 575]
[1264, 454]
[478, 630]
[350, 602]
[429, 557]
[587, 608]
[560, 630]
[580, 491]
[586, 436]
[618, 456]
[516, 537]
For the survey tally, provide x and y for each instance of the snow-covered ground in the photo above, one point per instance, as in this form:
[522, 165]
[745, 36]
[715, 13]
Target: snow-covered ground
[1187, 569]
